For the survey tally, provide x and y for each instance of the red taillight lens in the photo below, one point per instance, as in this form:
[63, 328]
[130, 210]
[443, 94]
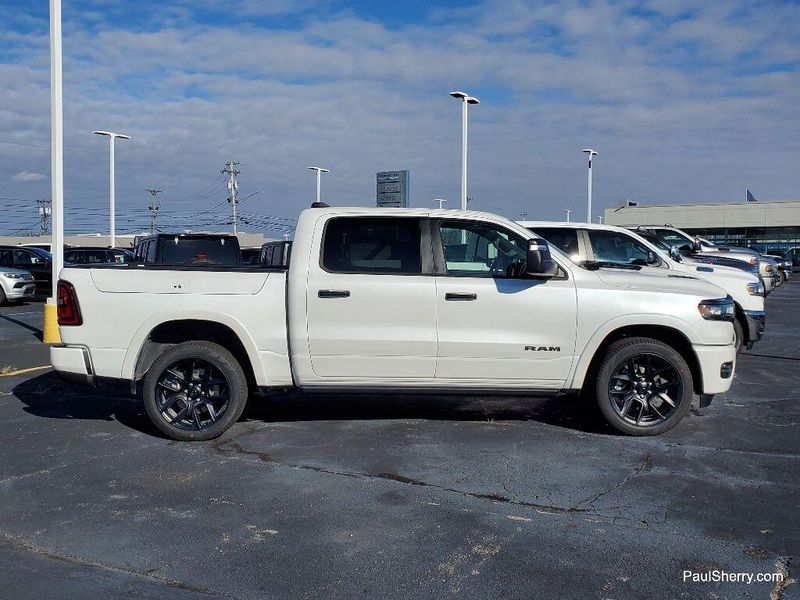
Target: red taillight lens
[69, 312]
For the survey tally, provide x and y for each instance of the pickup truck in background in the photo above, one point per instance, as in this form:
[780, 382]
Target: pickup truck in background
[199, 249]
[617, 245]
[398, 299]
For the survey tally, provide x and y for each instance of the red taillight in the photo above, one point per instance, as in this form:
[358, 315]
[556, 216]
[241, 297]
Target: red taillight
[69, 312]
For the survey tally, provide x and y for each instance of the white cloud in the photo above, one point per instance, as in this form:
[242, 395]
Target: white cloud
[357, 96]
[27, 176]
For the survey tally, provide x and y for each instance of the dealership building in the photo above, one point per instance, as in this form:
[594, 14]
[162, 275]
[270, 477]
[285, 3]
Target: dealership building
[762, 225]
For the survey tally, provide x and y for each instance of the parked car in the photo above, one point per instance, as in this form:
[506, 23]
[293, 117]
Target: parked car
[584, 242]
[694, 246]
[276, 254]
[196, 249]
[15, 285]
[407, 299]
[37, 262]
[85, 255]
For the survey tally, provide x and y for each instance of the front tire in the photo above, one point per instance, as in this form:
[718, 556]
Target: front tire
[738, 330]
[195, 391]
[644, 386]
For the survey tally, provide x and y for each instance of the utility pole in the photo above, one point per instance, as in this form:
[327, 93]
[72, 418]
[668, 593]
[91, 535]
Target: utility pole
[153, 208]
[45, 210]
[233, 186]
[569, 212]
[441, 202]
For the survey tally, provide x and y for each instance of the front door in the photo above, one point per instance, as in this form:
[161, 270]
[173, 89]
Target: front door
[496, 326]
[371, 310]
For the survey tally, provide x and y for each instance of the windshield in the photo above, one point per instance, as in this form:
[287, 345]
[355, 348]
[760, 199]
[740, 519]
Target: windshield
[203, 251]
[673, 238]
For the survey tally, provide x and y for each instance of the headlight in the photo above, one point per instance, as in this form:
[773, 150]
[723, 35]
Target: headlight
[718, 309]
[768, 268]
[755, 289]
[15, 275]
[753, 260]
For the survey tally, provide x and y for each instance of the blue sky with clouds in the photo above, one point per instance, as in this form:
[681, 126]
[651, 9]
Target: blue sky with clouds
[685, 101]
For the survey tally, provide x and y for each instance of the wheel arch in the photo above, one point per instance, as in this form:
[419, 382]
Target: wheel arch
[156, 337]
[672, 336]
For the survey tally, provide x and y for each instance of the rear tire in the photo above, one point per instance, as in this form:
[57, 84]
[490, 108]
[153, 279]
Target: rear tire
[644, 386]
[195, 391]
[2, 297]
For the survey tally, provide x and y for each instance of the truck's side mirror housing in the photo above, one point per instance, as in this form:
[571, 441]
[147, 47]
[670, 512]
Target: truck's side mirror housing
[652, 258]
[540, 264]
[696, 245]
[675, 253]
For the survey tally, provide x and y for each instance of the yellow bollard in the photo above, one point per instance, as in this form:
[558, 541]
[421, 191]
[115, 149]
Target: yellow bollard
[50, 333]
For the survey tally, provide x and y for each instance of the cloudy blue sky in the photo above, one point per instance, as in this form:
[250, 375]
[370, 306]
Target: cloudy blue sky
[686, 101]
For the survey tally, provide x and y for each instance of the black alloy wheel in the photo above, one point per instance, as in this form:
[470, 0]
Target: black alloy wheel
[643, 389]
[192, 394]
[644, 386]
[195, 391]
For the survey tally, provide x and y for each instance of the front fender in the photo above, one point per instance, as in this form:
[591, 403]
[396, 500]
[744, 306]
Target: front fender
[594, 342]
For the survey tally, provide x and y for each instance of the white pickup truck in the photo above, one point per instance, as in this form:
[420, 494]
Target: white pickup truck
[398, 299]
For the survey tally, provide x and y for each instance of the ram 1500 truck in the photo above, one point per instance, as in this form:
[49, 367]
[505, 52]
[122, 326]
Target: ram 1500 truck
[398, 299]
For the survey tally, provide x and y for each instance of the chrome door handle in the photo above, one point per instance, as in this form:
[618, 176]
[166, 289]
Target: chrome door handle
[460, 297]
[333, 293]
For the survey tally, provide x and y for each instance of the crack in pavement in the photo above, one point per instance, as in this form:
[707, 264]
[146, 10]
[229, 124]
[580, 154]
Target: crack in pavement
[264, 457]
[645, 464]
[782, 565]
[21, 544]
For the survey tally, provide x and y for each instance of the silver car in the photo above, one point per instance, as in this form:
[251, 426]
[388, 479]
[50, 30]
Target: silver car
[15, 285]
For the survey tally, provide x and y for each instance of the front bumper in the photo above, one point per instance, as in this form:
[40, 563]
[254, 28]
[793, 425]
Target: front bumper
[717, 366]
[21, 290]
[72, 363]
[756, 322]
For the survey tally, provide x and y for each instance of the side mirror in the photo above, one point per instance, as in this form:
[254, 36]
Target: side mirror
[696, 245]
[540, 264]
[652, 258]
[675, 253]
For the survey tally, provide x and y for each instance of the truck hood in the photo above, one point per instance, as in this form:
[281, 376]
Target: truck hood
[670, 282]
[722, 271]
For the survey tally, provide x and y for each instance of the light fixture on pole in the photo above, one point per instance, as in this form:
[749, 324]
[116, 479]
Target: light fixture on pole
[569, 212]
[590, 152]
[441, 201]
[523, 215]
[111, 137]
[466, 100]
[50, 333]
[600, 219]
[319, 171]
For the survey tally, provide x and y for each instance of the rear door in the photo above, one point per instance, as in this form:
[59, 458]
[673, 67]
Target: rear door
[370, 303]
[497, 328]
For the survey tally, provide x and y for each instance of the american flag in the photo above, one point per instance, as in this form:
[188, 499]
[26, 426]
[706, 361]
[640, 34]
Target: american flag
[750, 197]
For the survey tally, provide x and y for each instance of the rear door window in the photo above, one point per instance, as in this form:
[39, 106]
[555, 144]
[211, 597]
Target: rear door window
[372, 245]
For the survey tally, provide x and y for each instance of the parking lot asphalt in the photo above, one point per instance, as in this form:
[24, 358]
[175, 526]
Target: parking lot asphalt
[397, 496]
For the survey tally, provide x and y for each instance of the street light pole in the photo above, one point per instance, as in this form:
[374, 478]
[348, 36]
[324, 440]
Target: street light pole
[569, 212]
[319, 171]
[50, 333]
[466, 100]
[590, 152]
[441, 201]
[111, 137]
[600, 219]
